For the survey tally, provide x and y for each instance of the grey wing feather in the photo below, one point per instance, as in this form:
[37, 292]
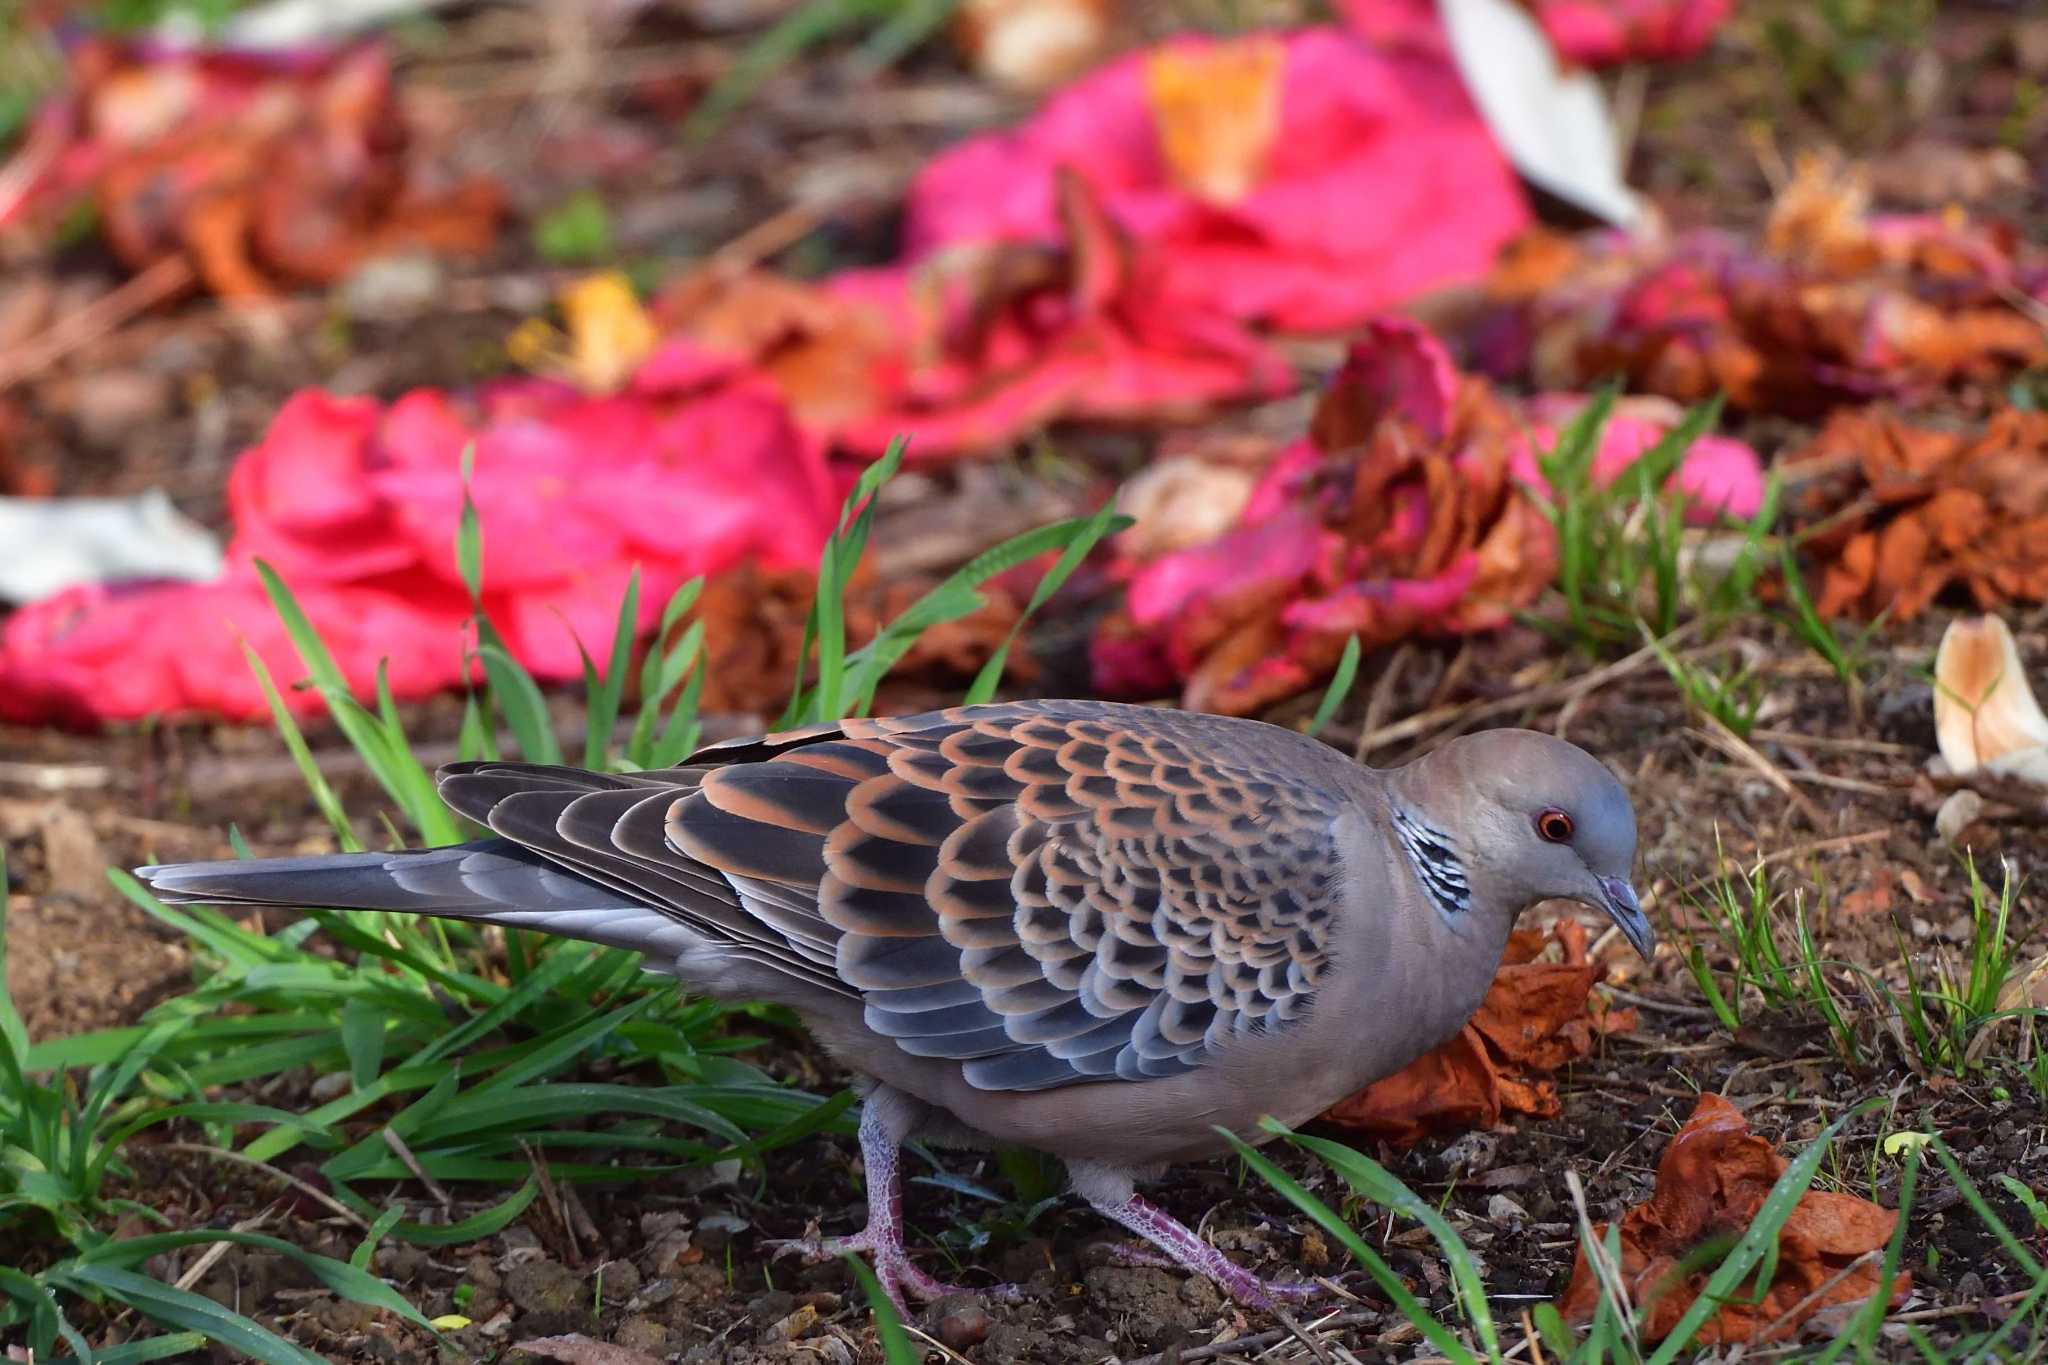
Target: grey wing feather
[1047, 892]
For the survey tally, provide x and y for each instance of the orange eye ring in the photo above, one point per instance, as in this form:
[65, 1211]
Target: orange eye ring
[1554, 826]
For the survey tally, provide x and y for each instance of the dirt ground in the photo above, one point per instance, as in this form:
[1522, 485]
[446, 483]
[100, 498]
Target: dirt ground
[1836, 796]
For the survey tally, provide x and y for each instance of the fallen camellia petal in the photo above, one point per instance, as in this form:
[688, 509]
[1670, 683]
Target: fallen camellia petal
[1003, 338]
[837, 359]
[1985, 714]
[1584, 32]
[262, 172]
[1897, 512]
[1608, 32]
[972, 348]
[1711, 1183]
[1404, 513]
[1536, 1017]
[1306, 180]
[1830, 304]
[694, 468]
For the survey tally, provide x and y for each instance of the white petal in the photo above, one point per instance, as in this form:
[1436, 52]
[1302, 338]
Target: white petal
[1983, 707]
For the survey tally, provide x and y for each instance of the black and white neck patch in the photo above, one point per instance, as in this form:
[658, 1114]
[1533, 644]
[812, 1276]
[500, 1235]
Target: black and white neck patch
[1436, 863]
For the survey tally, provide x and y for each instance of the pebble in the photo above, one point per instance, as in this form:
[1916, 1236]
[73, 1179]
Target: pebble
[392, 286]
[544, 1286]
[110, 406]
[962, 1322]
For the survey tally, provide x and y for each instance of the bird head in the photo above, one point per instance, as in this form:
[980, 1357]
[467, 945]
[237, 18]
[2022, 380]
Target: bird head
[1530, 817]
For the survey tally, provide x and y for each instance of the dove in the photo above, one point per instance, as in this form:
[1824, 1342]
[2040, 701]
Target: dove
[1104, 931]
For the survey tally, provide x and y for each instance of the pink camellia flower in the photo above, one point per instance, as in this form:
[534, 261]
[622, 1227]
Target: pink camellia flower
[1305, 180]
[1003, 338]
[1584, 32]
[1404, 512]
[695, 468]
[1607, 32]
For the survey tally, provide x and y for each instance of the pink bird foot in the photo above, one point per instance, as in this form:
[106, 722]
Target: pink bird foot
[882, 1238]
[894, 1269]
[1179, 1248]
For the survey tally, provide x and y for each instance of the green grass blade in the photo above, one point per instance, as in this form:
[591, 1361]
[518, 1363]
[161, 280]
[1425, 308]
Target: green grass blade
[140, 1352]
[517, 696]
[14, 1050]
[350, 1282]
[175, 1308]
[1379, 1185]
[474, 1228]
[896, 1347]
[1382, 1274]
[1091, 533]
[1339, 688]
[604, 693]
[295, 744]
[48, 1316]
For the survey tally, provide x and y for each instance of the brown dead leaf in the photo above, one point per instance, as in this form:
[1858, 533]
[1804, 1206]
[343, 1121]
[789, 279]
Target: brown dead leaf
[1537, 1016]
[1871, 899]
[263, 179]
[828, 355]
[1905, 511]
[1830, 303]
[1712, 1179]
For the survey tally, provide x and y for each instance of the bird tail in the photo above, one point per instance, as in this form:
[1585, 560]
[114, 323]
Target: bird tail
[494, 881]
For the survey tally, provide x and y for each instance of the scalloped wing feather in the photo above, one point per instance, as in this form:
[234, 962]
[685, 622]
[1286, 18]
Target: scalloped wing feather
[1047, 892]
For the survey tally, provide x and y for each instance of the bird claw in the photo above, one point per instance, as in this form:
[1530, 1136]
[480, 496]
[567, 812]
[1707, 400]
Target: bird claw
[1243, 1286]
[894, 1269]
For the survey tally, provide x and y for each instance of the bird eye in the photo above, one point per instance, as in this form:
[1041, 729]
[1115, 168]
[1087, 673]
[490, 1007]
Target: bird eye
[1554, 826]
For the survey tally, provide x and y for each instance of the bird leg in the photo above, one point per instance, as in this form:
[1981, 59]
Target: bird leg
[1111, 1194]
[882, 1238]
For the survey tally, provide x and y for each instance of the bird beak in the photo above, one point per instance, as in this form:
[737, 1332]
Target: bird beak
[1626, 911]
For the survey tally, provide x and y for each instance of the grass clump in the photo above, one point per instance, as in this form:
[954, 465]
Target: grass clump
[1769, 960]
[1478, 1330]
[1625, 563]
[62, 1131]
[450, 1044]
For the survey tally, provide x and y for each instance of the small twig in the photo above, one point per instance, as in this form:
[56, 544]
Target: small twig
[212, 1254]
[96, 319]
[1604, 1269]
[312, 1192]
[1438, 717]
[1957, 1310]
[1792, 1313]
[1833, 783]
[1735, 746]
[769, 236]
[553, 1199]
[1257, 1340]
[412, 1163]
[1301, 1336]
[1660, 1006]
[1382, 699]
[1844, 745]
[941, 1347]
[55, 777]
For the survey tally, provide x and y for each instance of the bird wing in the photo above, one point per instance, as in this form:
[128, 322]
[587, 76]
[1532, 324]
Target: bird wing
[1047, 892]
